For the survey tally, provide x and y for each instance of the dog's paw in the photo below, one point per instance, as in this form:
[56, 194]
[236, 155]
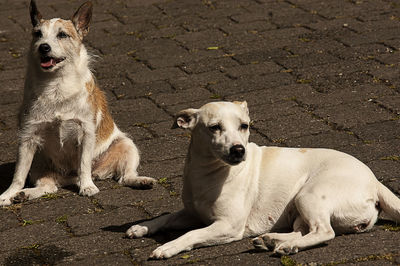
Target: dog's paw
[20, 197]
[286, 249]
[165, 251]
[5, 201]
[88, 191]
[137, 231]
[142, 182]
[259, 244]
[267, 241]
[146, 182]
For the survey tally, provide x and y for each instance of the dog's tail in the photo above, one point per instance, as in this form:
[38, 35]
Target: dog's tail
[389, 203]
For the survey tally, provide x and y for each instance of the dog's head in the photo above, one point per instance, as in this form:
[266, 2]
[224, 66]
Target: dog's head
[56, 42]
[221, 128]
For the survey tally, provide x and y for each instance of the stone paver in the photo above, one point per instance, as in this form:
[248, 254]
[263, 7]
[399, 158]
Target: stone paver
[315, 74]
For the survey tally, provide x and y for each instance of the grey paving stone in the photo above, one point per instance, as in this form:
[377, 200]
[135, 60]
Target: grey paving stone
[379, 132]
[100, 220]
[251, 82]
[29, 236]
[199, 80]
[294, 125]
[329, 139]
[53, 209]
[9, 220]
[156, 75]
[205, 65]
[131, 115]
[354, 114]
[101, 259]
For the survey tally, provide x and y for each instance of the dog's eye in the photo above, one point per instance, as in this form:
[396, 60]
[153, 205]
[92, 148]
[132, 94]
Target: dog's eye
[244, 126]
[214, 128]
[37, 34]
[62, 35]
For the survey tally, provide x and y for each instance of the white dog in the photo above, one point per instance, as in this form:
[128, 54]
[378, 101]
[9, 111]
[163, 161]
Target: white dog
[237, 189]
[65, 125]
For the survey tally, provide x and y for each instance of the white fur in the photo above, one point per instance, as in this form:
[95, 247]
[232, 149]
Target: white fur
[313, 192]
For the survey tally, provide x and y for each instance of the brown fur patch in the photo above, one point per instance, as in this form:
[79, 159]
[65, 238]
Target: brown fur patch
[107, 164]
[69, 28]
[98, 101]
[44, 22]
[269, 155]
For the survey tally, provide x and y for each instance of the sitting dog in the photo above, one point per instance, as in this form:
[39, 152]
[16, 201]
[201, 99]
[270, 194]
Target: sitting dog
[65, 126]
[234, 189]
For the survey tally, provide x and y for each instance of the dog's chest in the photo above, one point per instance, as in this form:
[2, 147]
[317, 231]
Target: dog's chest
[212, 199]
[206, 204]
[62, 143]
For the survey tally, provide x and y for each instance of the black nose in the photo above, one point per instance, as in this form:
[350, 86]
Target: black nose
[44, 48]
[237, 151]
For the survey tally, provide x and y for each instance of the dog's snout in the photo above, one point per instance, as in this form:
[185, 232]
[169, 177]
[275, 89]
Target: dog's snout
[44, 48]
[237, 151]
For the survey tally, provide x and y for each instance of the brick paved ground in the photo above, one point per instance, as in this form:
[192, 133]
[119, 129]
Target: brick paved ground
[315, 74]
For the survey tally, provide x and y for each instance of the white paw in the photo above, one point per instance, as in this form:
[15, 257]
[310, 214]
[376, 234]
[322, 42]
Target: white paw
[88, 190]
[259, 244]
[5, 201]
[20, 197]
[142, 182]
[146, 182]
[286, 249]
[264, 242]
[137, 231]
[165, 251]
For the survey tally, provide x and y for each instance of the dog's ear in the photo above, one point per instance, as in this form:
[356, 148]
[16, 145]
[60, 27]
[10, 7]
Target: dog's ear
[82, 18]
[35, 14]
[243, 105]
[186, 118]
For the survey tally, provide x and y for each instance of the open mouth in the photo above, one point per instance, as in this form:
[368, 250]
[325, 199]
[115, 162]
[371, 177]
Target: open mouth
[48, 62]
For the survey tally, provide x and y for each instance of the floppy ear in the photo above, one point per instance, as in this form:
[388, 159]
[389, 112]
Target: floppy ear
[243, 105]
[186, 118]
[82, 17]
[35, 14]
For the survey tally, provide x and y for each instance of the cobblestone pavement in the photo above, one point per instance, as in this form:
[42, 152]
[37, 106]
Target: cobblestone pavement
[315, 74]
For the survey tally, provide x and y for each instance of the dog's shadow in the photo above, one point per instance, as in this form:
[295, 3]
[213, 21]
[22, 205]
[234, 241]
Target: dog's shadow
[6, 174]
[161, 237]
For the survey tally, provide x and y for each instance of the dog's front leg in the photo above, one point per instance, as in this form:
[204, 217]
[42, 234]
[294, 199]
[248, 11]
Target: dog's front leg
[26, 151]
[85, 182]
[219, 232]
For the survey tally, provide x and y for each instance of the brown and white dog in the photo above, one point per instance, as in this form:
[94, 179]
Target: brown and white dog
[65, 126]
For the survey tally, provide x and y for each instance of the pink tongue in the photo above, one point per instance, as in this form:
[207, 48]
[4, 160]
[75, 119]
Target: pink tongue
[49, 63]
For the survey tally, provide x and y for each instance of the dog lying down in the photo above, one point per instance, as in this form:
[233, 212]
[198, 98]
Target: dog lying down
[66, 129]
[234, 189]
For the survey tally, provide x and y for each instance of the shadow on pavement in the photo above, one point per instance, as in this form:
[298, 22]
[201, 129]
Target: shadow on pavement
[37, 255]
[160, 237]
[6, 175]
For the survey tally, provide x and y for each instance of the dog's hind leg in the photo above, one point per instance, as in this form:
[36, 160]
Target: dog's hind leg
[317, 217]
[269, 241]
[121, 161]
